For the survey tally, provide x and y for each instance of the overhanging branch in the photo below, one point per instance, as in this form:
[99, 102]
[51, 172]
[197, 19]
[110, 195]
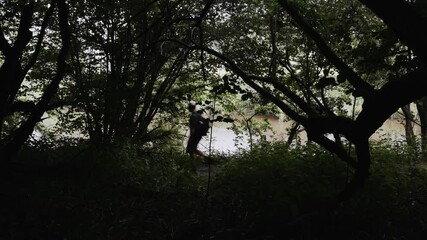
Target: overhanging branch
[359, 84]
[405, 20]
[387, 100]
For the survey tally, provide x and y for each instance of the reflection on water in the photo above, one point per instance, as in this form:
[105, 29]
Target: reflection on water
[223, 140]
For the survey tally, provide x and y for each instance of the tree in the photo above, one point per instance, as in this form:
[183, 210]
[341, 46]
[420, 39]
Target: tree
[412, 13]
[124, 67]
[299, 98]
[20, 52]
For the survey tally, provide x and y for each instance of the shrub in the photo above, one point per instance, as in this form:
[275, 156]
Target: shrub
[278, 193]
[108, 192]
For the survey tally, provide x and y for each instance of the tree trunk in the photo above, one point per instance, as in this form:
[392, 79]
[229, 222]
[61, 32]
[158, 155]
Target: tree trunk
[293, 133]
[362, 169]
[409, 126]
[422, 113]
[18, 137]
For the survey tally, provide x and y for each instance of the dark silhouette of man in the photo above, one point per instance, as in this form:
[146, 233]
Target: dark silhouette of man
[196, 118]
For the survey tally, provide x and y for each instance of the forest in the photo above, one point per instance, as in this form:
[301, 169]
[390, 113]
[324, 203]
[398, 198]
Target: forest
[94, 119]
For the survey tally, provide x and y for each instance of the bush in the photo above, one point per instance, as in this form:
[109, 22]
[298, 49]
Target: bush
[109, 192]
[275, 192]
[271, 192]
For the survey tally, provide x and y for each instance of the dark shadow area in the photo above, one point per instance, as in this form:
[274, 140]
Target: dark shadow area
[272, 192]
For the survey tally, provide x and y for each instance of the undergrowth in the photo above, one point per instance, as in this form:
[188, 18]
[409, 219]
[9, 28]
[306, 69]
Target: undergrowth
[272, 192]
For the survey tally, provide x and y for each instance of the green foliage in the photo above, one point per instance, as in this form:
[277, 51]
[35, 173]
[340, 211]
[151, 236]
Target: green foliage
[283, 193]
[274, 185]
[126, 71]
[34, 42]
[110, 192]
[255, 130]
[393, 203]
[271, 192]
[128, 79]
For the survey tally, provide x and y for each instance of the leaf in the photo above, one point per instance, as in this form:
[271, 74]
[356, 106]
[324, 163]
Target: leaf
[233, 91]
[228, 120]
[341, 78]
[326, 81]
[219, 118]
[245, 97]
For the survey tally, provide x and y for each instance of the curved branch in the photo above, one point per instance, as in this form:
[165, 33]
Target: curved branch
[359, 84]
[404, 19]
[248, 79]
[387, 100]
[288, 93]
[311, 124]
[313, 133]
[334, 124]
[304, 88]
[332, 147]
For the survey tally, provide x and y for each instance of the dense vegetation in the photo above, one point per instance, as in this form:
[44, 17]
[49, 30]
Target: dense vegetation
[93, 114]
[271, 192]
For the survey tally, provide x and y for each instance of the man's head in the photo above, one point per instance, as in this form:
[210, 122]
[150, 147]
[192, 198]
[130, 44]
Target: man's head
[191, 106]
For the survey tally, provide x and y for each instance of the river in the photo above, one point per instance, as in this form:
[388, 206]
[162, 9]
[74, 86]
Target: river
[224, 140]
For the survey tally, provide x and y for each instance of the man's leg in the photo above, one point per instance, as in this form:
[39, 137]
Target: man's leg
[204, 155]
[200, 153]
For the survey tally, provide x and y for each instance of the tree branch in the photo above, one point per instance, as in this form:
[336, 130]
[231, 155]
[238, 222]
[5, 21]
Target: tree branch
[36, 53]
[204, 12]
[17, 138]
[288, 93]
[24, 33]
[387, 100]
[248, 79]
[359, 84]
[404, 19]
[313, 132]
[4, 44]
